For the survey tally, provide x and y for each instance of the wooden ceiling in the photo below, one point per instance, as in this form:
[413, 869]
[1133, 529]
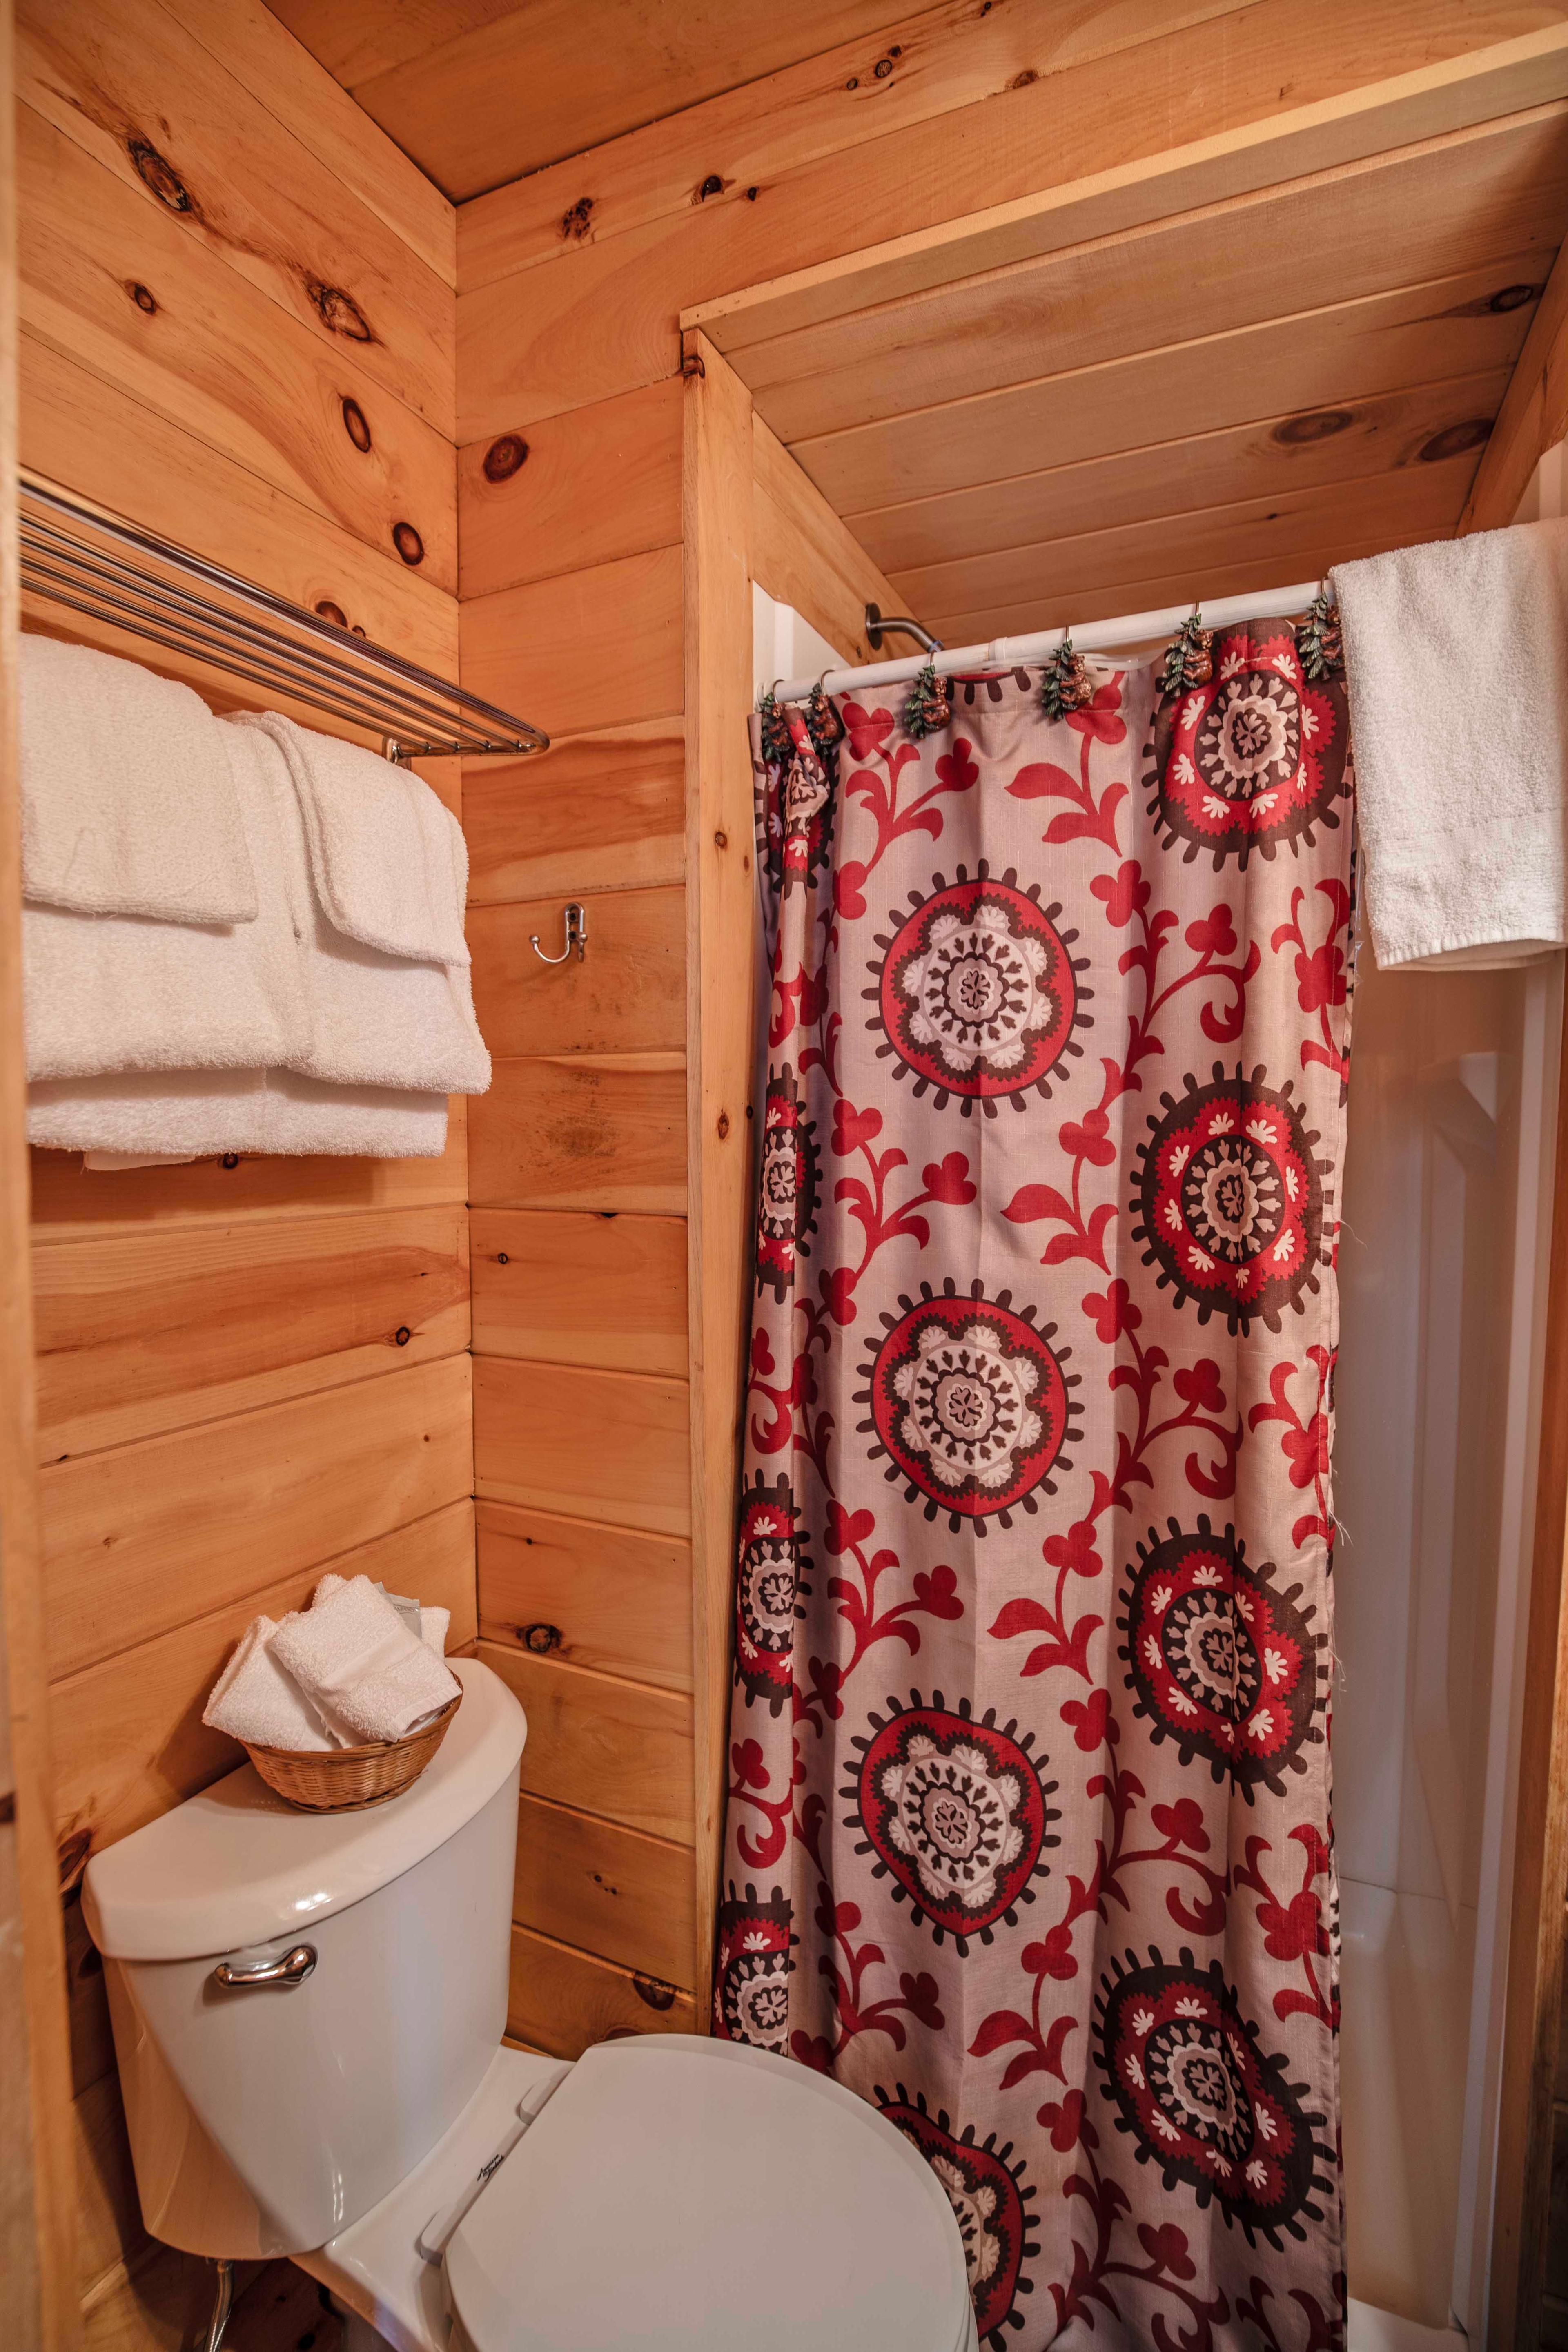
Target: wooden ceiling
[1230, 368]
[480, 91]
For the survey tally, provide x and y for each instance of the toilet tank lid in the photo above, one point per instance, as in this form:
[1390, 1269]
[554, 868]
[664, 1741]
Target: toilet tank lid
[237, 1866]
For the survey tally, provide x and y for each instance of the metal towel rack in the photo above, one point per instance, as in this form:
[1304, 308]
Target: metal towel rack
[97, 563]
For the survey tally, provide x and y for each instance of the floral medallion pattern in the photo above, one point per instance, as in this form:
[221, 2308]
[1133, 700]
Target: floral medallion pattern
[1221, 1662]
[1229, 1199]
[1028, 1833]
[971, 1405]
[1256, 758]
[989, 2200]
[955, 1812]
[1202, 2101]
[978, 993]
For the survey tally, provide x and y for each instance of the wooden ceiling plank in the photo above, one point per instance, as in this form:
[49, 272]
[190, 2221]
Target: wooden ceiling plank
[243, 182]
[249, 40]
[930, 64]
[1371, 118]
[1453, 203]
[603, 318]
[1269, 457]
[1535, 414]
[1423, 502]
[1463, 325]
[358, 40]
[538, 83]
[1227, 578]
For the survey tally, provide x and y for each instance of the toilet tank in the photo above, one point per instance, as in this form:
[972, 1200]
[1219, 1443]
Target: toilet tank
[266, 2118]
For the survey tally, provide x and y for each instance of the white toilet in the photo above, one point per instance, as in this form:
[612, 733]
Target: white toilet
[307, 2012]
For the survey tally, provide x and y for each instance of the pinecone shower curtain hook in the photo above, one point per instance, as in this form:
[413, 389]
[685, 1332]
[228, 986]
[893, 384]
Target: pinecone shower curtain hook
[1189, 657]
[1318, 640]
[1064, 682]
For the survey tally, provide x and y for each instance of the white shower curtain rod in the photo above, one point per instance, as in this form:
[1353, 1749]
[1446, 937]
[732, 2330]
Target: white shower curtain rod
[1094, 636]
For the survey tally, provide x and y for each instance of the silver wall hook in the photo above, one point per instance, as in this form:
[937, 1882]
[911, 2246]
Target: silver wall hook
[576, 917]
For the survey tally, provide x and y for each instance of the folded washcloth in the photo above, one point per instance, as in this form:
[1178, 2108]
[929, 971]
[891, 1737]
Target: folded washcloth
[355, 1659]
[433, 1625]
[255, 1698]
[1457, 663]
[197, 1114]
[128, 805]
[376, 1019]
[112, 992]
[390, 862]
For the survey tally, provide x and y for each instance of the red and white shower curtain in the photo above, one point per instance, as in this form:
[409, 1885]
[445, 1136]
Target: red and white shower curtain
[1028, 1835]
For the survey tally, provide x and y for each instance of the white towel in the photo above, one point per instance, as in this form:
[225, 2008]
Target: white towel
[197, 1114]
[255, 1698]
[356, 1660]
[105, 992]
[127, 806]
[376, 1018]
[391, 863]
[1457, 663]
[433, 1625]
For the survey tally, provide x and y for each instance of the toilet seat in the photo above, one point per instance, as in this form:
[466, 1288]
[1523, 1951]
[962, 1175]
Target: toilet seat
[683, 2195]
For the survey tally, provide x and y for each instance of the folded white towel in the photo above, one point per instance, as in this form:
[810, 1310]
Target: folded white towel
[197, 1114]
[127, 806]
[390, 862]
[433, 1625]
[376, 1019]
[1457, 663]
[255, 1698]
[356, 1660]
[106, 993]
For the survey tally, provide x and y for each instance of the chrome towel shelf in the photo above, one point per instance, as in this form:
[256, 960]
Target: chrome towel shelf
[96, 563]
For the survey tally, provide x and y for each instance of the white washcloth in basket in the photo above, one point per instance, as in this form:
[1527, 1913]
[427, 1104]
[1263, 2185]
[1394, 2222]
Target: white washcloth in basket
[356, 1660]
[256, 1699]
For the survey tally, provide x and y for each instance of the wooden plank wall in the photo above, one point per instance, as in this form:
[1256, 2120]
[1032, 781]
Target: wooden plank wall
[243, 1372]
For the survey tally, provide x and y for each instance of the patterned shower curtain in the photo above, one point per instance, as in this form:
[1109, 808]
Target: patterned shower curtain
[1029, 1817]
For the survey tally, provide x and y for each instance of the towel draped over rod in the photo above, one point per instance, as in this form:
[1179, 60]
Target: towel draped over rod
[91, 561]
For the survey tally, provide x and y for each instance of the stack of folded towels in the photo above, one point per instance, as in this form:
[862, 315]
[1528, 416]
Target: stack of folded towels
[359, 1664]
[238, 935]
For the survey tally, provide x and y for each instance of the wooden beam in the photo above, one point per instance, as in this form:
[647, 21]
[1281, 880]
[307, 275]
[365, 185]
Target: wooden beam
[805, 556]
[39, 2302]
[720, 965]
[1452, 95]
[1533, 417]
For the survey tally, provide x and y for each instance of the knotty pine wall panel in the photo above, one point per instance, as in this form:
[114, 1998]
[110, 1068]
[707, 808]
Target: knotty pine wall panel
[570, 561]
[237, 299]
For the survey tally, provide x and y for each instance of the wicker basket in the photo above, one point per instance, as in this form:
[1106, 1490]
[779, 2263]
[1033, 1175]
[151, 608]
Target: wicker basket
[345, 1779]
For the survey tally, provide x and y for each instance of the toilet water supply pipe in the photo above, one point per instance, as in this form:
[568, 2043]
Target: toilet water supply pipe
[1094, 636]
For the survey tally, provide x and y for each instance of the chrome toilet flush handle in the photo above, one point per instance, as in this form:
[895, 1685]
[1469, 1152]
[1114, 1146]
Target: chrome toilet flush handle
[576, 917]
[291, 1970]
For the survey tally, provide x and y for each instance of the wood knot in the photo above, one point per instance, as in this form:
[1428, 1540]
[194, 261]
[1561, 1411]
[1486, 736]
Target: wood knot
[574, 221]
[721, 841]
[1319, 424]
[155, 171]
[143, 296]
[356, 426]
[504, 457]
[541, 1639]
[333, 613]
[1455, 439]
[502, 1258]
[654, 1991]
[712, 186]
[403, 1335]
[1022, 80]
[723, 1124]
[231, 1160]
[339, 311]
[883, 68]
[1514, 297]
[408, 542]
